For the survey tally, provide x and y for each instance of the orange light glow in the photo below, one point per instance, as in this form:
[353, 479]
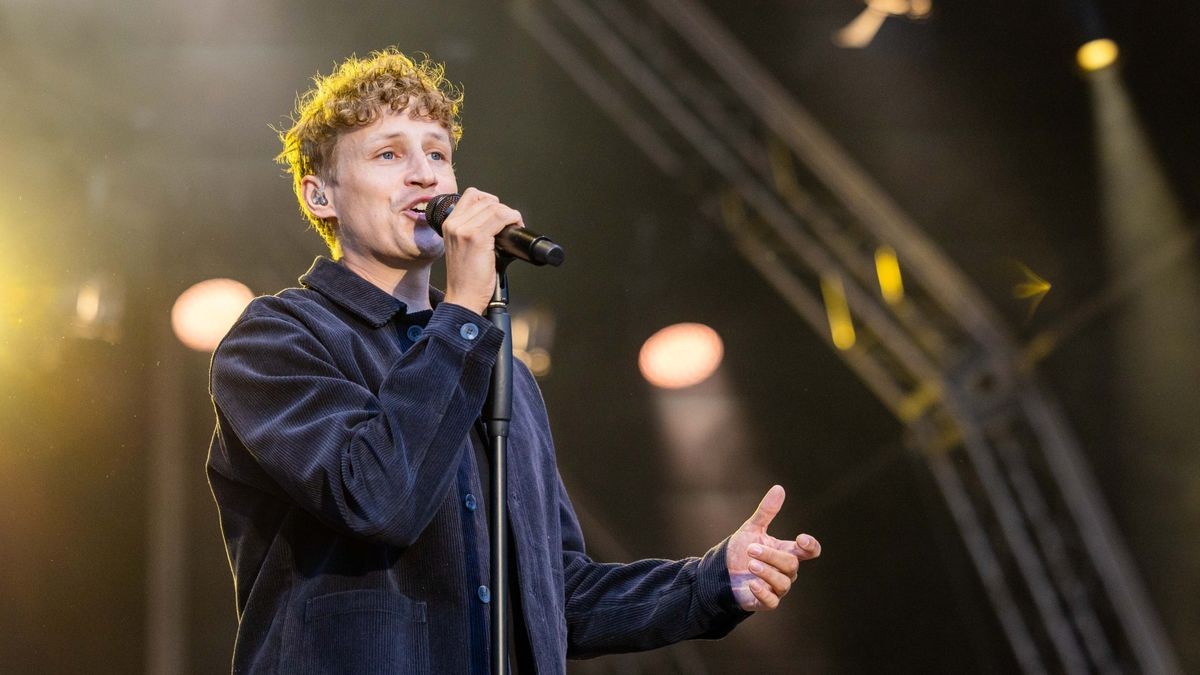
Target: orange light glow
[681, 355]
[204, 313]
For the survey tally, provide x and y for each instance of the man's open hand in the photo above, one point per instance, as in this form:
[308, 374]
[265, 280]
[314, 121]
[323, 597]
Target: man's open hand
[761, 567]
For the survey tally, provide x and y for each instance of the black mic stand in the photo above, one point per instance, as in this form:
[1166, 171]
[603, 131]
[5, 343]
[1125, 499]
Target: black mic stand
[497, 413]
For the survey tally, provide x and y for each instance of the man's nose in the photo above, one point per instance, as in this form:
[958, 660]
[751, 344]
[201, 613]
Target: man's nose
[421, 173]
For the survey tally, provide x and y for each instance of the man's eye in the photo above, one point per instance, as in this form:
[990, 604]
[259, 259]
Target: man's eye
[388, 154]
[437, 156]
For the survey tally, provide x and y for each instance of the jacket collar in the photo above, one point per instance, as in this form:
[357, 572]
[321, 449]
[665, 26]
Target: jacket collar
[355, 294]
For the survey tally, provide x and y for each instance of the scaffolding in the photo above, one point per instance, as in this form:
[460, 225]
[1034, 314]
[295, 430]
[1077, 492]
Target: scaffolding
[1055, 569]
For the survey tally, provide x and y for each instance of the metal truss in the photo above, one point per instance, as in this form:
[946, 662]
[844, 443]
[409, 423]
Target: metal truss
[1053, 564]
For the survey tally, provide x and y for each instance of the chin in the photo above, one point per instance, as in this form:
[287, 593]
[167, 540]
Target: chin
[429, 244]
[430, 250]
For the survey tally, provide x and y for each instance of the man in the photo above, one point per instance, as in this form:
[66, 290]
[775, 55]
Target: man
[347, 466]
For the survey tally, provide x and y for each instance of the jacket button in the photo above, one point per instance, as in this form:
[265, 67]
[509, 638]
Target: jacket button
[469, 502]
[484, 594]
[469, 331]
[413, 333]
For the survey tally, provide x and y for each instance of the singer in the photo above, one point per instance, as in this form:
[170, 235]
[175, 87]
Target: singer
[347, 462]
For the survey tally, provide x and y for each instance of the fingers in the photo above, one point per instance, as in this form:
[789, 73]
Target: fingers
[480, 214]
[779, 582]
[763, 570]
[469, 234]
[782, 561]
[768, 508]
[763, 594]
[809, 545]
[472, 197]
[775, 568]
[804, 547]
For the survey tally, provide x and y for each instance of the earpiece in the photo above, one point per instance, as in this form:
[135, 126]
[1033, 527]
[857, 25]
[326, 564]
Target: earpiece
[319, 199]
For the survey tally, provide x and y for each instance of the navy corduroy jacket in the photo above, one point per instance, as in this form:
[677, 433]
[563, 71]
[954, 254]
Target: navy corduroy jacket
[343, 472]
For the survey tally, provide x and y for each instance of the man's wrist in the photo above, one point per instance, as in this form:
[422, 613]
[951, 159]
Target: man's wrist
[716, 586]
[475, 307]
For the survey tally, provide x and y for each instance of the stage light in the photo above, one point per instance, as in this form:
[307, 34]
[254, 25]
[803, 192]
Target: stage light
[887, 268]
[681, 355]
[206, 311]
[87, 303]
[1032, 287]
[538, 360]
[99, 306]
[1097, 54]
[841, 327]
[532, 336]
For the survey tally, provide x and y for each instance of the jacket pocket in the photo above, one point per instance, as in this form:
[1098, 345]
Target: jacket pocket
[365, 631]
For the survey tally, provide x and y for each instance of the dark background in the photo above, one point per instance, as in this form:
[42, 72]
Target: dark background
[137, 148]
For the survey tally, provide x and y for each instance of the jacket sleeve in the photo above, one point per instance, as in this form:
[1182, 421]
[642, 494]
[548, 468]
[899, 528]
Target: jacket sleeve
[642, 605]
[370, 465]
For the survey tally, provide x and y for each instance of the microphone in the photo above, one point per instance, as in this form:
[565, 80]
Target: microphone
[518, 242]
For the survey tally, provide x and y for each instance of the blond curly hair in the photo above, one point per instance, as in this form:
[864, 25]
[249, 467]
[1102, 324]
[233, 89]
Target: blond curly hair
[355, 94]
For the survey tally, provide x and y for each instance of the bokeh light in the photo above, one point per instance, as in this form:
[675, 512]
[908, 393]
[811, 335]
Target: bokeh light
[841, 326]
[681, 355]
[204, 313]
[1097, 54]
[887, 268]
[87, 303]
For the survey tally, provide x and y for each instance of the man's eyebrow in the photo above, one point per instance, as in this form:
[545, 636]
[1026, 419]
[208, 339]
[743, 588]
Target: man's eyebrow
[379, 138]
[434, 135]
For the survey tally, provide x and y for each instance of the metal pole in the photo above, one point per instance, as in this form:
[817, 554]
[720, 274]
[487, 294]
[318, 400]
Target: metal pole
[497, 414]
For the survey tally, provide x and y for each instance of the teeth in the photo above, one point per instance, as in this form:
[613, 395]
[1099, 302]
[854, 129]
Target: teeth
[419, 208]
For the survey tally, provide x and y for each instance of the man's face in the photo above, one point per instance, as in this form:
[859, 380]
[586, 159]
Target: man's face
[384, 170]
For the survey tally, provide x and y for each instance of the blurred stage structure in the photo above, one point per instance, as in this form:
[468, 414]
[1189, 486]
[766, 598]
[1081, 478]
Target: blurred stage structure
[1056, 570]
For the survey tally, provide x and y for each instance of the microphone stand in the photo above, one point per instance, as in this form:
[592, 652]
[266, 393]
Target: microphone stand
[497, 413]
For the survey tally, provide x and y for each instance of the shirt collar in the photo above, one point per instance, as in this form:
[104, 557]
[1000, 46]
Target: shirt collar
[355, 294]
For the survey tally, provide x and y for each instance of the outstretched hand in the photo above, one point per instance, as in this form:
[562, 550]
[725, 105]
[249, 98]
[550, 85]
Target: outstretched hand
[761, 567]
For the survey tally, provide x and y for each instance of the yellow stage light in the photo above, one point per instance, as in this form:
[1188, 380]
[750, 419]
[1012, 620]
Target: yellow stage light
[887, 267]
[1032, 287]
[1097, 54]
[841, 326]
[681, 355]
[204, 313]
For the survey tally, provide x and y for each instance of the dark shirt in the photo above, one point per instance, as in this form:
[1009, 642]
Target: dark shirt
[349, 496]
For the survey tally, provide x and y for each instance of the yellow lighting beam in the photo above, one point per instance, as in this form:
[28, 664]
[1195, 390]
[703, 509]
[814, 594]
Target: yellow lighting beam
[1097, 55]
[887, 268]
[841, 327]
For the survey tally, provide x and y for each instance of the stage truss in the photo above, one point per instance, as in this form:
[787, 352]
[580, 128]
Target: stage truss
[1056, 571]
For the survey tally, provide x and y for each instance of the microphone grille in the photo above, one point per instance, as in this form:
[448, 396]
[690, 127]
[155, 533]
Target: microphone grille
[438, 209]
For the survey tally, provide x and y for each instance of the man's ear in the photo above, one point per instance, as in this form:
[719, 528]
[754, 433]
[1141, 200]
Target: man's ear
[316, 199]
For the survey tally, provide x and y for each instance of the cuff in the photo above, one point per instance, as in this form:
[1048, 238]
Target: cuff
[465, 329]
[714, 588]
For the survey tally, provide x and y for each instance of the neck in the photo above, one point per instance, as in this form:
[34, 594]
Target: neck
[410, 286]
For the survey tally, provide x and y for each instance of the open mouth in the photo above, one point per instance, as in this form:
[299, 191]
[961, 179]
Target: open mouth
[417, 211]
